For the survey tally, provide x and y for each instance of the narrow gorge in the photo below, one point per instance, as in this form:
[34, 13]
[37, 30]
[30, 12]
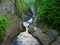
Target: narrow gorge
[20, 23]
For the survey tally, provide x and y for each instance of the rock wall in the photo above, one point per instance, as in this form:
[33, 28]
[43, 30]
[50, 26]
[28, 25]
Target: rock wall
[52, 37]
[7, 7]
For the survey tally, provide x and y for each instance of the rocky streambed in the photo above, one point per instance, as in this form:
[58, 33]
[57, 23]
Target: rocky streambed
[25, 38]
[18, 34]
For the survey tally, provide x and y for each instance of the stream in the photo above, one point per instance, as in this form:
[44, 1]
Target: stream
[25, 38]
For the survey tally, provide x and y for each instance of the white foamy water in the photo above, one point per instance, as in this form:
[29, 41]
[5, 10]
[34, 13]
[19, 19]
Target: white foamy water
[27, 39]
[27, 24]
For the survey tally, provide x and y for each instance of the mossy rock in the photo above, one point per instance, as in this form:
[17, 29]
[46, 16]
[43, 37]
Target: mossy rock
[3, 24]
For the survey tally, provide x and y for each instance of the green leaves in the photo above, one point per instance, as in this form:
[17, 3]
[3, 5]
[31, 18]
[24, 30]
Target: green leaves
[20, 5]
[29, 1]
[3, 24]
[48, 11]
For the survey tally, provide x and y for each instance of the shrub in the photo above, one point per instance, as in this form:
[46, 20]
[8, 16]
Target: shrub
[20, 5]
[3, 24]
[48, 11]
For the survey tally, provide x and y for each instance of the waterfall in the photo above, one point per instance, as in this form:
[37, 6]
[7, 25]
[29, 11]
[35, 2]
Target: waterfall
[25, 38]
[26, 24]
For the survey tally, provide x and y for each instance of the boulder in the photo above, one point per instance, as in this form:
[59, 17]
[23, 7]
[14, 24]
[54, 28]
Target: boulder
[36, 32]
[51, 37]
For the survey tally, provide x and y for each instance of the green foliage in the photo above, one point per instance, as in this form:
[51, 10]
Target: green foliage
[3, 24]
[48, 11]
[6, 22]
[23, 4]
[20, 6]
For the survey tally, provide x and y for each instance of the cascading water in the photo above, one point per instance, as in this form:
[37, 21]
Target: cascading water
[25, 38]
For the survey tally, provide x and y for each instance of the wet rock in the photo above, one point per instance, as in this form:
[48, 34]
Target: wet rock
[26, 15]
[46, 38]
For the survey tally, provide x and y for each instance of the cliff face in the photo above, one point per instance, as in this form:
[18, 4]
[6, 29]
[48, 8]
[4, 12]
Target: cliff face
[7, 7]
[14, 28]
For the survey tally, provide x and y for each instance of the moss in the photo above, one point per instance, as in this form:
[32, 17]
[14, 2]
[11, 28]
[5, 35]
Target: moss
[5, 22]
[48, 12]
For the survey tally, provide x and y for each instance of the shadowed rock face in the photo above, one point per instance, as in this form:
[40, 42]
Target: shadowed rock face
[11, 32]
